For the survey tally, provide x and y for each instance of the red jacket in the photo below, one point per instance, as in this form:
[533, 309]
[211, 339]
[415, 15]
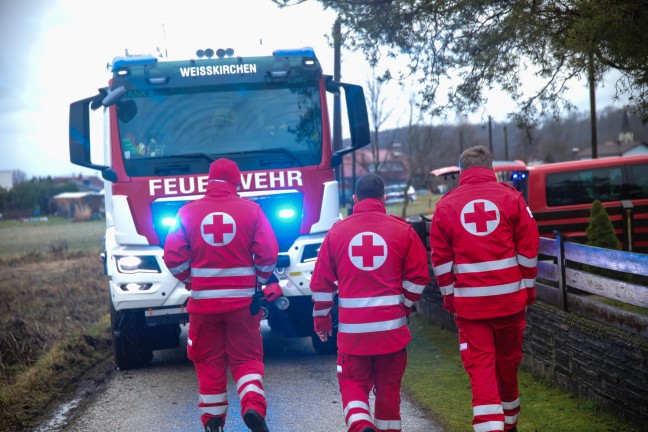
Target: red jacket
[380, 266]
[223, 245]
[484, 244]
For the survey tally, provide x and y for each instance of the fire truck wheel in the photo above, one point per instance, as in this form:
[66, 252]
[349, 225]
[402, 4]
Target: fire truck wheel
[130, 346]
[130, 351]
[328, 347]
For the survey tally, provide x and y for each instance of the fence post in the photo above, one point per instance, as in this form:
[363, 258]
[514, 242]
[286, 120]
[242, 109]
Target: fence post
[560, 261]
[627, 220]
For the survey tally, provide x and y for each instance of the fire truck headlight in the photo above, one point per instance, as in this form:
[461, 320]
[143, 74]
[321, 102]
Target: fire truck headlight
[169, 222]
[137, 264]
[286, 213]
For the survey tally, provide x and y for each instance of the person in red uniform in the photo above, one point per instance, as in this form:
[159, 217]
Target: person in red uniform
[222, 247]
[484, 244]
[380, 266]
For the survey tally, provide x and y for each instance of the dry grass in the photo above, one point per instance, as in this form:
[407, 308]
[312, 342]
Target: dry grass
[18, 239]
[52, 303]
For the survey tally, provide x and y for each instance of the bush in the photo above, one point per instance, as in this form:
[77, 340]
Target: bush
[600, 232]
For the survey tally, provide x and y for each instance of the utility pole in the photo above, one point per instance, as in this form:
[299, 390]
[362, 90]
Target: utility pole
[490, 135]
[505, 144]
[592, 92]
[337, 115]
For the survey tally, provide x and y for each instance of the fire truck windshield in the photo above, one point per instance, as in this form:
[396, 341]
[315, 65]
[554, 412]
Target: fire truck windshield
[181, 130]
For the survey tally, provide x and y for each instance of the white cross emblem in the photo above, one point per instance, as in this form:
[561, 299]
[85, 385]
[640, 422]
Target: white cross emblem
[480, 217]
[218, 229]
[367, 251]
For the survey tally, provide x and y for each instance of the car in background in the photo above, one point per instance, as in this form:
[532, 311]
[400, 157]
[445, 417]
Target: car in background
[395, 194]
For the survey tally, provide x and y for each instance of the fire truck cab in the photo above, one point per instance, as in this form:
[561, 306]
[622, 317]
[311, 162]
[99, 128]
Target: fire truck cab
[164, 123]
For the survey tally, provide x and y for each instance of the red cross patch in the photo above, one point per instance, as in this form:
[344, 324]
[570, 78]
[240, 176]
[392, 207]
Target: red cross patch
[367, 251]
[218, 229]
[480, 217]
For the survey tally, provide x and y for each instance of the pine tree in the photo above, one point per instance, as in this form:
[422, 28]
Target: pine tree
[600, 231]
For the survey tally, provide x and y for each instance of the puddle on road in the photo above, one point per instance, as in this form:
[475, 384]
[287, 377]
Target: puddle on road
[59, 418]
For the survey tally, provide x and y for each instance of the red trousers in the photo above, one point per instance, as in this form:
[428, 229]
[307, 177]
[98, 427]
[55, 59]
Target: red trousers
[357, 375]
[491, 351]
[218, 341]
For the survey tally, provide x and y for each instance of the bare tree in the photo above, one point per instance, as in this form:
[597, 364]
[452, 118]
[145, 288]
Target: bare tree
[18, 176]
[378, 114]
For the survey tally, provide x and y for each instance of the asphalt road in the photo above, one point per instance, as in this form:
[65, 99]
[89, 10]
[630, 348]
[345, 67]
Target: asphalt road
[301, 387]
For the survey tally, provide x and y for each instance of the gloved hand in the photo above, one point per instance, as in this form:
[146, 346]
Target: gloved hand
[448, 303]
[272, 292]
[187, 286]
[323, 323]
[531, 296]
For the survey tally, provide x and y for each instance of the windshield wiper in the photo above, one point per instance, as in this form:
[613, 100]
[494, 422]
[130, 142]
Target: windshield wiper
[186, 156]
[278, 151]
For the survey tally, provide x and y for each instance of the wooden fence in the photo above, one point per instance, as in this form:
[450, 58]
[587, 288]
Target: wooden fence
[567, 273]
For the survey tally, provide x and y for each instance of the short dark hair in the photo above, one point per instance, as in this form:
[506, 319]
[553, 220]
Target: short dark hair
[476, 156]
[370, 186]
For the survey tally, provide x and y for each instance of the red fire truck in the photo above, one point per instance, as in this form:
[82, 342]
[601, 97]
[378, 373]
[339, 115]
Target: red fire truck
[164, 123]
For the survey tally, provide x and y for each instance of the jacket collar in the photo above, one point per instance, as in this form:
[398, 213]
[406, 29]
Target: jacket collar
[368, 205]
[220, 188]
[476, 175]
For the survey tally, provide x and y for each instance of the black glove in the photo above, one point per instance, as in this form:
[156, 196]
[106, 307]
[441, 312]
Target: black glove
[255, 306]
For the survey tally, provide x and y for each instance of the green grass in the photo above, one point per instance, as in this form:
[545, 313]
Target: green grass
[424, 205]
[436, 379]
[54, 376]
[27, 238]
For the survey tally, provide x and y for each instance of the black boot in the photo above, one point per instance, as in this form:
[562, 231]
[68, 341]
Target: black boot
[513, 430]
[254, 421]
[368, 429]
[215, 424]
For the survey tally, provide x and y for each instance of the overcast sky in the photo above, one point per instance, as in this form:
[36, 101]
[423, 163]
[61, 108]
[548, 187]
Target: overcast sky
[55, 52]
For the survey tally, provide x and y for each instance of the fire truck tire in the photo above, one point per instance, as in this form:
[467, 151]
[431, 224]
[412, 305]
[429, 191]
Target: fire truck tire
[130, 351]
[328, 347]
[130, 345]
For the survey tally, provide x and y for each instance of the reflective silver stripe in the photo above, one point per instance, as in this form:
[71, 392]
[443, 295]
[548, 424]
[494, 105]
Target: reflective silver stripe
[355, 404]
[268, 268]
[489, 426]
[407, 302]
[387, 424]
[262, 280]
[322, 312]
[179, 269]
[223, 272]
[373, 327]
[214, 410]
[212, 399]
[527, 262]
[489, 290]
[362, 302]
[412, 287]
[160, 312]
[251, 388]
[448, 289]
[222, 293]
[317, 296]
[529, 283]
[511, 405]
[486, 266]
[357, 417]
[511, 419]
[443, 268]
[487, 409]
[247, 378]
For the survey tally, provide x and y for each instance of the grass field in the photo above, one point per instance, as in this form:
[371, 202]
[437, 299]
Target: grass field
[57, 234]
[53, 298]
